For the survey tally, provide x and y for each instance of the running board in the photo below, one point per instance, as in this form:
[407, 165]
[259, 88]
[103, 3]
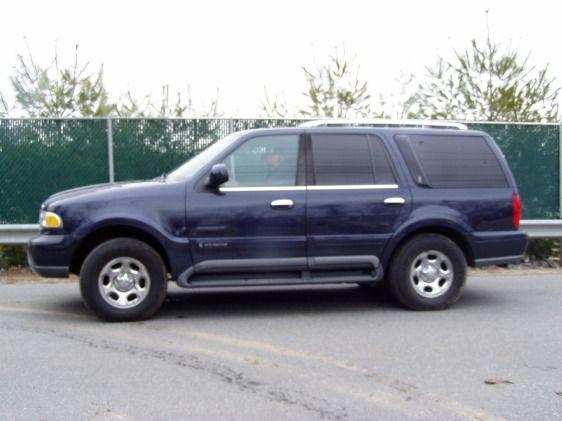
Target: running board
[205, 282]
[232, 272]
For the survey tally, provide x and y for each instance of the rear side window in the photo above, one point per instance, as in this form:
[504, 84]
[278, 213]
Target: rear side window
[383, 169]
[350, 159]
[441, 161]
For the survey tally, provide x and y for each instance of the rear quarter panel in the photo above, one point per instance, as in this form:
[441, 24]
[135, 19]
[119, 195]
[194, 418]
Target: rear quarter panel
[481, 216]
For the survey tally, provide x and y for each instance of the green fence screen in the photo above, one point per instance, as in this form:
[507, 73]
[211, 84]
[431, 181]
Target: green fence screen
[39, 157]
[533, 154]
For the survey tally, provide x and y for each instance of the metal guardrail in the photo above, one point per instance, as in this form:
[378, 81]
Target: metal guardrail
[536, 228]
[542, 228]
[17, 233]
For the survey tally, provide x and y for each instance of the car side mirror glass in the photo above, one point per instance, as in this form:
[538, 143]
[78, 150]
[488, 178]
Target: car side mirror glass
[217, 176]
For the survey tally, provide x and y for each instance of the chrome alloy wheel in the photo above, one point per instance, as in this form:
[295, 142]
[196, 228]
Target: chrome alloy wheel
[431, 274]
[124, 282]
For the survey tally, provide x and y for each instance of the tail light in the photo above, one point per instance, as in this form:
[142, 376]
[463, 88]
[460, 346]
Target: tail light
[516, 205]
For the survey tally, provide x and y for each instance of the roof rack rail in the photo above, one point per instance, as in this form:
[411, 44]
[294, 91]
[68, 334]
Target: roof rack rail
[381, 122]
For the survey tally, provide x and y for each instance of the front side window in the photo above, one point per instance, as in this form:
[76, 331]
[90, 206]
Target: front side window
[264, 161]
[350, 159]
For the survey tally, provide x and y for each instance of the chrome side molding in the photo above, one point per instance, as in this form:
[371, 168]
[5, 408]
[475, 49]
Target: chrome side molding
[311, 188]
[354, 187]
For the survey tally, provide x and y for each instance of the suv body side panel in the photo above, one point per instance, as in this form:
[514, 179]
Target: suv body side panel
[242, 223]
[482, 217]
[157, 209]
[348, 221]
[482, 245]
[353, 222]
[175, 244]
[498, 247]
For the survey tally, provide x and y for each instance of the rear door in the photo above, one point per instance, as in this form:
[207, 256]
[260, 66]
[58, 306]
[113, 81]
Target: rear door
[354, 197]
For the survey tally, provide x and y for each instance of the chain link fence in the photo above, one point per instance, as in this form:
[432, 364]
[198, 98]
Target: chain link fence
[39, 157]
[533, 153]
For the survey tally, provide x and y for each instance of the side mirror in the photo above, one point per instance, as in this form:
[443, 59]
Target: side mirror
[217, 176]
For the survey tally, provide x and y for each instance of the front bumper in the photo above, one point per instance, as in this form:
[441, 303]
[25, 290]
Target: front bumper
[49, 255]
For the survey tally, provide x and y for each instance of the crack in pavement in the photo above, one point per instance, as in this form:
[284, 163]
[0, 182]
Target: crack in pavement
[406, 396]
[227, 375]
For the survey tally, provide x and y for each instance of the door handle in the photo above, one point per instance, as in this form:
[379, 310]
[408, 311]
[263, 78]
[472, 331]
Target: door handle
[394, 201]
[282, 204]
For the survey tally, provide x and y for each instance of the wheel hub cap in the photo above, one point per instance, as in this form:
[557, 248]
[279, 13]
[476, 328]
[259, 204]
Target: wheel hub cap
[428, 272]
[124, 282]
[431, 274]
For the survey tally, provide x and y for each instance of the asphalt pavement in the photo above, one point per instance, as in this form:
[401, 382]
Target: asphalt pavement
[299, 353]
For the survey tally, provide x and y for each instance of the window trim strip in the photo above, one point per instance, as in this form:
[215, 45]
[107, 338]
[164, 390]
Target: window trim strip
[257, 189]
[311, 188]
[353, 187]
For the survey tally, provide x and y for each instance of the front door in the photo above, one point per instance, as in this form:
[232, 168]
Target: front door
[355, 201]
[257, 218]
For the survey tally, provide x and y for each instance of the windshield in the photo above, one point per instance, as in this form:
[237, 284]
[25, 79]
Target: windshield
[191, 167]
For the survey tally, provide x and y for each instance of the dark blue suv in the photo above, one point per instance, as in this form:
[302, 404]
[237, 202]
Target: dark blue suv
[407, 207]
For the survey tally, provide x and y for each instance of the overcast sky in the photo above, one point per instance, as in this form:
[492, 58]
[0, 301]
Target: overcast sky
[240, 47]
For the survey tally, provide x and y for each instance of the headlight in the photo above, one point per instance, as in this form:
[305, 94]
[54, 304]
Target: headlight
[49, 220]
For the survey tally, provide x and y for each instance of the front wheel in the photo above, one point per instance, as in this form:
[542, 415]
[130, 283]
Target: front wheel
[428, 273]
[123, 279]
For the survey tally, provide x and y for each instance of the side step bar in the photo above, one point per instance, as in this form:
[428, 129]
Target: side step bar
[203, 283]
[301, 266]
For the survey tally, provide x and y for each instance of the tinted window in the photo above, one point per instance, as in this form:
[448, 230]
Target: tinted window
[341, 159]
[383, 169]
[451, 161]
[263, 162]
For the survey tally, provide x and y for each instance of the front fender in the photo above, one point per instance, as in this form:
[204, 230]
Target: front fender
[101, 221]
[176, 247]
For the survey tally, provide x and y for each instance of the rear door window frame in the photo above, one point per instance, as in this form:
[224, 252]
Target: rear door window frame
[370, 137]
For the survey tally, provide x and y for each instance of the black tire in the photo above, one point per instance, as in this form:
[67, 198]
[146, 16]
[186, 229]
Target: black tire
[126, 248]
[406, 288]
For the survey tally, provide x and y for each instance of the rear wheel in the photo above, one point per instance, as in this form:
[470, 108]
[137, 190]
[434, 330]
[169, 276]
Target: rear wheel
[123, 279]
[428, 273]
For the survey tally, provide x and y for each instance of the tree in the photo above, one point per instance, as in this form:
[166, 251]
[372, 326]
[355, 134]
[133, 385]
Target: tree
[165, 106]
[4, 108]
[53, 91]
[335, 90]
[274, 106]
[132, 107]
[487, 82]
